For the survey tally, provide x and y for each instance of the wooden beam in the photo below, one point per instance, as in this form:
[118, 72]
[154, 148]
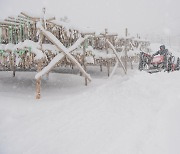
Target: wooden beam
[29, 17]
[50, 19]
[51, 22]
[3, 25]
[38, 81]
[109, 35]
[11, 17]
[20, 17]
[88, 33]
[8, 23]
[12, 20]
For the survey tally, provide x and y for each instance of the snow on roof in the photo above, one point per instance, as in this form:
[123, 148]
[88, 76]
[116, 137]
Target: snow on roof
[75, 27]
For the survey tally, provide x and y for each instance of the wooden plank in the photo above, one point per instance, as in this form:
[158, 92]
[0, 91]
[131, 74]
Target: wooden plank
[29, 17]
[8, 23]
[14, 64]
[88, 33]
[13, 21]
[50, 19]
[25, 19]
[84, 52]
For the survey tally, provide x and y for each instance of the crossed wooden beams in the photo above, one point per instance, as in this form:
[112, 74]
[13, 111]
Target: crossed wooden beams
[106, 35]
[64, 52]
[118, 60]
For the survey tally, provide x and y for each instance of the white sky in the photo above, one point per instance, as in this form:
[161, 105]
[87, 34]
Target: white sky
[145, 17]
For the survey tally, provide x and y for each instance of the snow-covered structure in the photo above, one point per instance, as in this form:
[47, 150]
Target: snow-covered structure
[41, 43]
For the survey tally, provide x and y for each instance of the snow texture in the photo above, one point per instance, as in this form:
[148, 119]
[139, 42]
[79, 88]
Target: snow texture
[117, 116]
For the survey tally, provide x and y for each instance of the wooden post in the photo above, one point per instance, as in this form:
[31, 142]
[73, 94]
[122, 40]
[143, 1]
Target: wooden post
[106, 32]
[126, 32]
[84, 64]
[131, 63]
[47, 76]
[38, 82]
[108, 67]
[14, 64]
[101, 64]
[106, 48]
[125, 59]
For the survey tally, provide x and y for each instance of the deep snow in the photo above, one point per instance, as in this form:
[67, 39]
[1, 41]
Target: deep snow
[137, 113]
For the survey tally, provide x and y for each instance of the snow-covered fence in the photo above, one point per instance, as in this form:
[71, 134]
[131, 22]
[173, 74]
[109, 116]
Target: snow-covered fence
[26, 46]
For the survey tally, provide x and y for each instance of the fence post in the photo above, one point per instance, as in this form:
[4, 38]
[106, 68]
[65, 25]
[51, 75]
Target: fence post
[125, 59]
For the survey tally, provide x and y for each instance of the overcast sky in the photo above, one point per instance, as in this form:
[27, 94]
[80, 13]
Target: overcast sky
[145, 17]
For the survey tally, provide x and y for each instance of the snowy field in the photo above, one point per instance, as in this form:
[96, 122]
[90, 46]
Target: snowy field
[133, 114]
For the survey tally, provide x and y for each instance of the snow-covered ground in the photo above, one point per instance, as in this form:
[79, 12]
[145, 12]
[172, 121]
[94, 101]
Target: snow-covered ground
[137, 113]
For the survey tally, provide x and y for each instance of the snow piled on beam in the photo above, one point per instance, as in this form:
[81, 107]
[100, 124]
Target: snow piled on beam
[75, 27]
[34, 48]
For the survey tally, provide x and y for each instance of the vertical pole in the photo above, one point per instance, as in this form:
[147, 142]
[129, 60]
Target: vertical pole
[125, 59]
[106, 32]
[38, 81]
[0, 35]
[84, 64]
[106, 48]
[108, 67]
[101, 64]
[14, 64]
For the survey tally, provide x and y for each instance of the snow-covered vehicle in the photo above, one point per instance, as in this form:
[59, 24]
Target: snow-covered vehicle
[158, 63]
